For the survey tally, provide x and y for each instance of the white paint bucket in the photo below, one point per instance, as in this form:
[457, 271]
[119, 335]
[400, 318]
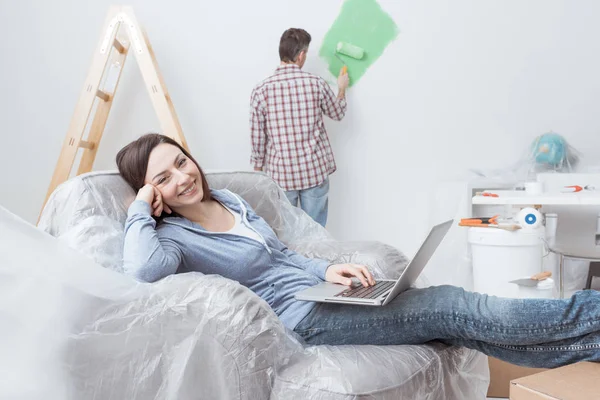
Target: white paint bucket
[501, 256]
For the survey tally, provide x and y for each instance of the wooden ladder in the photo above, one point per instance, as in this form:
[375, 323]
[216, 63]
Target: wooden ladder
[121, 34]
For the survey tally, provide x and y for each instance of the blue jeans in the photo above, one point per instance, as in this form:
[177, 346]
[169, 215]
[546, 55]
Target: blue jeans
[314, 201]
[528, 332]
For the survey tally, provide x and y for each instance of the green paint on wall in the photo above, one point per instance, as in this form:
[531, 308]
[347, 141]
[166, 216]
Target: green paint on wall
[364, 24]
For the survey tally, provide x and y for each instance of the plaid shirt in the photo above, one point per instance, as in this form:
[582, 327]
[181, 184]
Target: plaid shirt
[289, 140]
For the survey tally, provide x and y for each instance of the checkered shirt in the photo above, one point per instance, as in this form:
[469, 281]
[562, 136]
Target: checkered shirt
[288, 135]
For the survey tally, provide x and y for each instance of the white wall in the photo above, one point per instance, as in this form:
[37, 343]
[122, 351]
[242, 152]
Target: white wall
[466, 84]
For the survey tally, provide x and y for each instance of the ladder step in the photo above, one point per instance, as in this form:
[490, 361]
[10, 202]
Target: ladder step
[119, 46]
[87, 145]
[103, 95]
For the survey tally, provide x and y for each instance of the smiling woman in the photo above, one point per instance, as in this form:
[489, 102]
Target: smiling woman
[172, 188]
[217, 232]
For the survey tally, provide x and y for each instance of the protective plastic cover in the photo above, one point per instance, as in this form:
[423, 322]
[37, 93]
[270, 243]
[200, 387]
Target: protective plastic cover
[80, 331]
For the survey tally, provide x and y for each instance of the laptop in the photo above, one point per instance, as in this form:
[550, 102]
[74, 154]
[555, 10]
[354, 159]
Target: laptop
[385, 290]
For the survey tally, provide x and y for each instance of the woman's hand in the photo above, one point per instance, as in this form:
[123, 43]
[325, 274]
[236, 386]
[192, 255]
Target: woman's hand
[342, 273]
[152, 196]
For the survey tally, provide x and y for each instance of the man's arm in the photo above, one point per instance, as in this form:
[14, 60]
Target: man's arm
[335, 106]
[258, 134]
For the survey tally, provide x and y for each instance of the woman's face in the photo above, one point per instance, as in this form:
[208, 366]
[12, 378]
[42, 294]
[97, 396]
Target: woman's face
[175, 176]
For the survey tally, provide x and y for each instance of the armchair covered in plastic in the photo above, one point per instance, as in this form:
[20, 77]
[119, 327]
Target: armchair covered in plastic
[81, 331]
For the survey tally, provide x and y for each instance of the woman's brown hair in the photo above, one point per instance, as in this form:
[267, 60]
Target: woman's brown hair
[132, 160]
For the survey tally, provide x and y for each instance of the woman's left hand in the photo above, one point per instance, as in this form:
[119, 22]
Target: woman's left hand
[342, 273]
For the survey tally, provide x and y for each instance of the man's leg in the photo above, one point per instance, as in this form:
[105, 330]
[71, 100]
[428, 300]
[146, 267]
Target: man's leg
[530, 332]
[314, 201]
[292, 196]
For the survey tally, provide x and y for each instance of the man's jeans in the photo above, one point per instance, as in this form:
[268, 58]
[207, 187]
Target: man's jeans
[529, 332]
[314, 201]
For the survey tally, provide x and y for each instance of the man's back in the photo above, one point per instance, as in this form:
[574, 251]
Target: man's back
[288, 132]
[289, 140]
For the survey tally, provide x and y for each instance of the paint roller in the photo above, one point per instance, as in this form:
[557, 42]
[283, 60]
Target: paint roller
[349, 50]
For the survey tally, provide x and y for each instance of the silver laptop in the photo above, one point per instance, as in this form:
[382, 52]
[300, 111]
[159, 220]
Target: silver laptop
[384, 290]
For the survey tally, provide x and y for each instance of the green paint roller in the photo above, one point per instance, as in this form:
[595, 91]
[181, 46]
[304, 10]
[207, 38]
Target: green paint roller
[349, 50]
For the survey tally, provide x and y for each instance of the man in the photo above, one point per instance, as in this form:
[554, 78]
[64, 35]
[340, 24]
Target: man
[289, 140]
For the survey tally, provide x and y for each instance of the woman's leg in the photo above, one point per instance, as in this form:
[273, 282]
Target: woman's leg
[551, 354]
[523, 331]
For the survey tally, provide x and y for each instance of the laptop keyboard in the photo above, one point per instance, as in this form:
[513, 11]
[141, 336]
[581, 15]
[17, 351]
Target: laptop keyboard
[371, 292]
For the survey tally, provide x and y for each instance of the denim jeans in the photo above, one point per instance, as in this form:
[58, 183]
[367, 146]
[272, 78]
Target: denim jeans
[528, 332]
[314, 201]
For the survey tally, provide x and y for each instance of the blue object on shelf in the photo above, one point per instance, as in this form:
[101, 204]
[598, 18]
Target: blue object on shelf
[550, 149]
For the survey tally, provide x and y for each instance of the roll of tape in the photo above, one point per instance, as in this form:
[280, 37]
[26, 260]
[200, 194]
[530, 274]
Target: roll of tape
[534, 187]
[530, 218]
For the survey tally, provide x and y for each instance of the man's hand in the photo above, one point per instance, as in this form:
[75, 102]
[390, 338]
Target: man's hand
[342, 273]
[343, 80]
[259, 169]
[151, 195]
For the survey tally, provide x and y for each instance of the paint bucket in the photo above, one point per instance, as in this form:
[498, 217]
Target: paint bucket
[501, 256]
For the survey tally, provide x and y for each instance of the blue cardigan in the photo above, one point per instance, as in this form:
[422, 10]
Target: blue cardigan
[178, 245]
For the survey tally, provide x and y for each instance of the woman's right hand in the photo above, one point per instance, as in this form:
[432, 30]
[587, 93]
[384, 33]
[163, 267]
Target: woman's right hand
[342, 273]
[152, 196]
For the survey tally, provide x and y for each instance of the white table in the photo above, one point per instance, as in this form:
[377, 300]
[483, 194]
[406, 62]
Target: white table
[522, 198]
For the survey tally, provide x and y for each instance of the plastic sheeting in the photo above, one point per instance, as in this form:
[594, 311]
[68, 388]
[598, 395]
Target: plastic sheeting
[82, 331]
[549, 152]
[74, 330]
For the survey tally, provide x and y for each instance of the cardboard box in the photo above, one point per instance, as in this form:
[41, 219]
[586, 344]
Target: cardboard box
[501, 373]
[579, 381]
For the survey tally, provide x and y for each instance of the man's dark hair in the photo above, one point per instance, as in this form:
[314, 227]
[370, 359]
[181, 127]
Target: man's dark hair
[292, 42]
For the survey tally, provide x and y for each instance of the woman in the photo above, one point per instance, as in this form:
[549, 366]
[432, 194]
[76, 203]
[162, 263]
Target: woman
[177, 224]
